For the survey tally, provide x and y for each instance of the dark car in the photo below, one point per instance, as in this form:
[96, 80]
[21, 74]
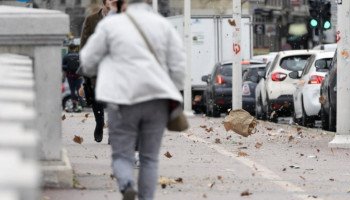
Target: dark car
[328, 97]
[218, 93]
[251, 78]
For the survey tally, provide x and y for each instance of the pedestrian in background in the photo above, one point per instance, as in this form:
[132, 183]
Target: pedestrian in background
[136, 88]
[88, 29]
[70, 64]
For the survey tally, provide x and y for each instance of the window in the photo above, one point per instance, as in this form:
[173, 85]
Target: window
[226, 70]
[63, 2]
[295, 63]
[77, 2]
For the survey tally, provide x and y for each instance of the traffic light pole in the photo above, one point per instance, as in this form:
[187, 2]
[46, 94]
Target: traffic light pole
[187, 44]
[237, 57]
[342, 137]
[155, 5]
[320, 31]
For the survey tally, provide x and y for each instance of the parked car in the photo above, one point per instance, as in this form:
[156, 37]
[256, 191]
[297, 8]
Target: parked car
[277, 88]
[251, 77]
[260, 113]
[306, 96]
[328, 97]
[67, 103]
[218, 93]
[266, 57]
[326, 47]
[248, 63]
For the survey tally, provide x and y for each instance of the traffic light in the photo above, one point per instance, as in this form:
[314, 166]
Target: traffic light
[326, 15]
[314, 13]
[320, 14]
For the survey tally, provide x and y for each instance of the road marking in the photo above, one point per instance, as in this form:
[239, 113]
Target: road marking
[263, 171]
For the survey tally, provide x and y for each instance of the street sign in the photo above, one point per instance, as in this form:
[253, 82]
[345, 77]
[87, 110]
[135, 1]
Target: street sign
[22, 0]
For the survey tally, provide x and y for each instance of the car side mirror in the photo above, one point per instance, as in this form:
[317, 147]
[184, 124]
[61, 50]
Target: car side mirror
[205, 78]
[294, 75]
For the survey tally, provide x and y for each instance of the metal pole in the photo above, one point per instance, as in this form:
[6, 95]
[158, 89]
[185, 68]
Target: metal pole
[155, 5]
[342, 138]
[187, 43]
[237, 57]
[320, 24]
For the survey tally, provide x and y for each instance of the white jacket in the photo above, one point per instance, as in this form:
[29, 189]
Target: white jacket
[127, 72]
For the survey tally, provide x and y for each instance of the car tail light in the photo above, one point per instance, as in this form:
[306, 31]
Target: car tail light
[220, 80]
[278, 76]
[276, 106]
[63, 88]
[246, 90]
[314, 79]
[220, 101]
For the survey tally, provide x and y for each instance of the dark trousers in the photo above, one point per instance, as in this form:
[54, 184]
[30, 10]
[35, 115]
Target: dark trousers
[74, 85]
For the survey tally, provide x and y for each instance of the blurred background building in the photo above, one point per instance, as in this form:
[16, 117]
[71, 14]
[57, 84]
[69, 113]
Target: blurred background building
[277, 24]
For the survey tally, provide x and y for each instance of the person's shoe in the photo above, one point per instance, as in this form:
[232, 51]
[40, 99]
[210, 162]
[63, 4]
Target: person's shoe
[129, 194]
[77, 109]
[98, 133]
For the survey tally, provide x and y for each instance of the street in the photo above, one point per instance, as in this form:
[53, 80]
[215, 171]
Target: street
[206, 162]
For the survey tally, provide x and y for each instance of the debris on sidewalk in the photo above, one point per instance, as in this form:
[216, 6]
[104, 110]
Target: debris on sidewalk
[168, 155]
[294, 167]
[241, 153]
[241, 122]
[246, 193]
[78, 139]
[258, 145]
[211, 185]
[163, 181]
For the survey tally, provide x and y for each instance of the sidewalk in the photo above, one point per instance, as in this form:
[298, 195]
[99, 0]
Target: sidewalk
[290, 164]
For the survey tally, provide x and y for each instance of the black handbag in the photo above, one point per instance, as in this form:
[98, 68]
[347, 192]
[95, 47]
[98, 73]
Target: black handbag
[177, 119]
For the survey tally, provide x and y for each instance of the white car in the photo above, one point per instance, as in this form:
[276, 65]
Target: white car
[277, 88]
[306, 96]
[266, 57]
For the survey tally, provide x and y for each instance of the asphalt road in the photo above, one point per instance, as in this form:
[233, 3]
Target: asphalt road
[207, 162]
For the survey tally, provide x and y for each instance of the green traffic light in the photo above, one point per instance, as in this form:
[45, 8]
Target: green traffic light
[327, 25]
[313, 22]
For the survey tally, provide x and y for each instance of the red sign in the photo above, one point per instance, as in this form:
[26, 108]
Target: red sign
[236, 48]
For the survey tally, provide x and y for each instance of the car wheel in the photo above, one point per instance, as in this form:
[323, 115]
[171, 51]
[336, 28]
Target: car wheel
[270, 115]
[295, 119]
[208, 107]
[324, 119]
[67, 104]
[216, 111]
[258, 110]
[306, 120]
[331, 119]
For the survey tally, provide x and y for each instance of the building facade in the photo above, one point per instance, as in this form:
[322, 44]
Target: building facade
[277, 24]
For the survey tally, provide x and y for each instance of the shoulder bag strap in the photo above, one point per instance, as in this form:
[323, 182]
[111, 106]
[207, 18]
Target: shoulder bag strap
[143, 36]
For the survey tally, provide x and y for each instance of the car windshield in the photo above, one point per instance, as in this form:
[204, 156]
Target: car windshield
[252, 74]
[294, 63]
[226, 70]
